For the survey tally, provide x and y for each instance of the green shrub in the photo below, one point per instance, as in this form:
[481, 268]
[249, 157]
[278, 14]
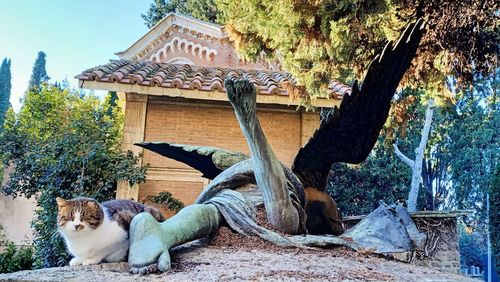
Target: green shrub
[165, 198]
[472, 246]
[14, 258]
[64, 144]
[359, 189]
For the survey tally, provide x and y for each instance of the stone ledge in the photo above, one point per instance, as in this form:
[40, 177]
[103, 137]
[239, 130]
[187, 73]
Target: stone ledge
[419, 214]
[231, 263]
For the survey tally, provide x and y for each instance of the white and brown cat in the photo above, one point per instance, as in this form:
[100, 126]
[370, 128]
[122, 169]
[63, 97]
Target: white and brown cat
[98, 232]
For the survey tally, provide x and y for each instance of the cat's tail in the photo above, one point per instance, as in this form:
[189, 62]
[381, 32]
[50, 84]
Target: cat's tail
[155, 213]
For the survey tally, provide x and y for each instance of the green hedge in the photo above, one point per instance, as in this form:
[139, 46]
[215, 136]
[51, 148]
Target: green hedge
[14, 258]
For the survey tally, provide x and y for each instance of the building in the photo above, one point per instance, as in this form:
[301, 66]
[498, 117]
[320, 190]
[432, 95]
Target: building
[172, 84]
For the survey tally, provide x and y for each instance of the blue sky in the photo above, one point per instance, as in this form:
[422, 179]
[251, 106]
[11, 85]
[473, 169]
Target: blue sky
[75, 35]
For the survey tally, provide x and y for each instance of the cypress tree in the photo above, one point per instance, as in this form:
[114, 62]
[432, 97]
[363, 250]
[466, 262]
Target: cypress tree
[39, 74]
[111, 102]
[205, 10]
[5, 88]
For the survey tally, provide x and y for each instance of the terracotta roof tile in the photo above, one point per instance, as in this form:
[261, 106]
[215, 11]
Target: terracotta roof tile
[339, 89]
[193, 77]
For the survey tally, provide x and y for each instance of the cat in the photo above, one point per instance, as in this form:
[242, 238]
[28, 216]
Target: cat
[323, 216]
[96, 232]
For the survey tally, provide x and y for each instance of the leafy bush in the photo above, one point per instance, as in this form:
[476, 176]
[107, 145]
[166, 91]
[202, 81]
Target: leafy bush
[63, 144]
[472, 246]
[13, 258]
[165, 198]
[358, 189]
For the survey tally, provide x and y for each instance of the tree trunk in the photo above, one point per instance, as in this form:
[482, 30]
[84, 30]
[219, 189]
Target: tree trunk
[428, 177]
[416, 165]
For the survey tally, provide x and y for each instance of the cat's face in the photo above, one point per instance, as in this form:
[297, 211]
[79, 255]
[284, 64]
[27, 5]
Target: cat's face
[79, 214]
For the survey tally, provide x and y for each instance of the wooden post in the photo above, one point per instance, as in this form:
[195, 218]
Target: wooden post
[133, 131]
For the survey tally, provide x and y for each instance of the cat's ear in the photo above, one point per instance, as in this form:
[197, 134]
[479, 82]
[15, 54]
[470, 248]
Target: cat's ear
[61, 202]
[92, 204]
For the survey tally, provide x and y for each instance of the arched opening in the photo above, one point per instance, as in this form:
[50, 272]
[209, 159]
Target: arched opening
[180, 61]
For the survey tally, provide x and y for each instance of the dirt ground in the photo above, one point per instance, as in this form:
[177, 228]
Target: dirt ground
[228, 258]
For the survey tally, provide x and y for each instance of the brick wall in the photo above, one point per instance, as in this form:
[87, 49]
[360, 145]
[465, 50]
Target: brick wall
[212, 124]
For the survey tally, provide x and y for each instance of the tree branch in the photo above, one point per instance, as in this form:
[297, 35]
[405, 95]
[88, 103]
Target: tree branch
[404, 158]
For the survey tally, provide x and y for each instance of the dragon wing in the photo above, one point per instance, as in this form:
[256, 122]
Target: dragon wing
[350, 132]
[208, 160]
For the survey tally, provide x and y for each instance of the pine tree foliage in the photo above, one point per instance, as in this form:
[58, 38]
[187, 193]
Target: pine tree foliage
[205, 10]
[39, 73]
[321, 40]
[5, 88]
[475, 137]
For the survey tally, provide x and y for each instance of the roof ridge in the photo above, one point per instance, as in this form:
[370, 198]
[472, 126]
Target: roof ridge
[183, 76]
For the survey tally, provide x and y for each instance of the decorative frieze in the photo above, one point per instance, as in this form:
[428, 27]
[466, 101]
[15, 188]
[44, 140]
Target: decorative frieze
[185, 45]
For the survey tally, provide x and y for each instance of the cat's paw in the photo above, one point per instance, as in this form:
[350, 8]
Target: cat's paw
[90, 261]
[75, 261]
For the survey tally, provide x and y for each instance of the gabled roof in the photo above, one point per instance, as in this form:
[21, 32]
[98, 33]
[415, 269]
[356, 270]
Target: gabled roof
[149, 39]
[154, 78]
[154, 65]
